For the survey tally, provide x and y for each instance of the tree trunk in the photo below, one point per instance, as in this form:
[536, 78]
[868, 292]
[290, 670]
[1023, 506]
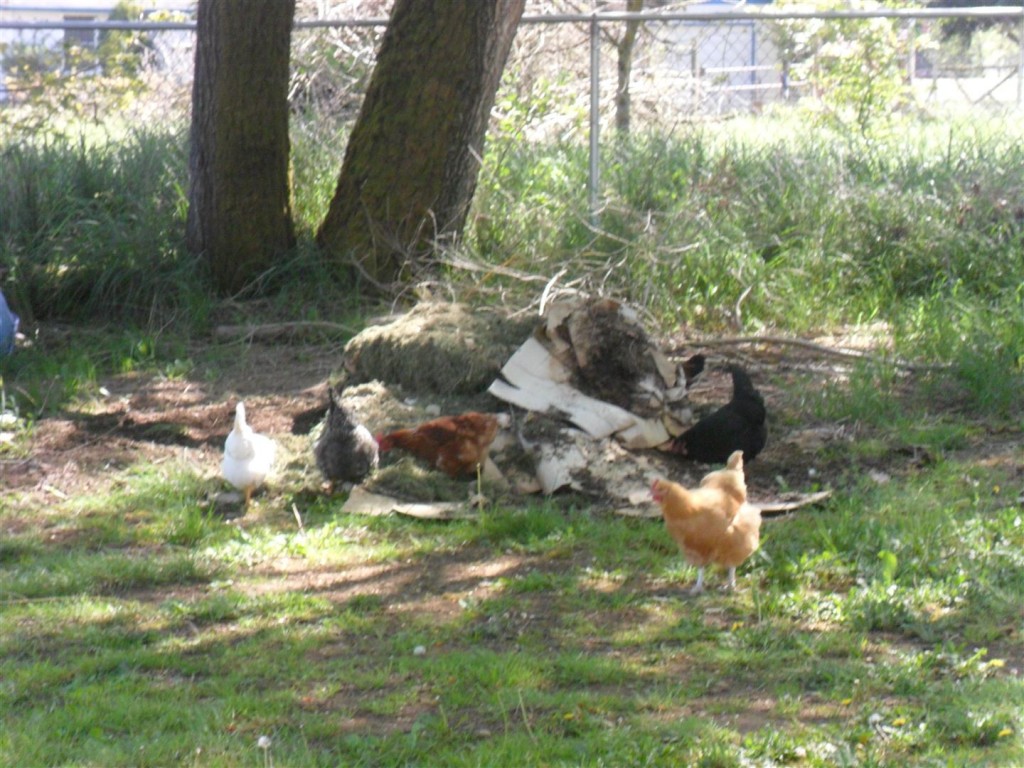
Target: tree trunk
[239, 213]
[412, 161]
[624, 69]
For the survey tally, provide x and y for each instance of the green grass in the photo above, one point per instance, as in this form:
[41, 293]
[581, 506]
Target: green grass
[584, 652]
[95, 231]
[137, 628]
[776, 227]
[700, 217]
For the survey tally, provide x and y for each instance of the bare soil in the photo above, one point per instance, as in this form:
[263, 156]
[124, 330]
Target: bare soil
[147, 417]
[156, 419]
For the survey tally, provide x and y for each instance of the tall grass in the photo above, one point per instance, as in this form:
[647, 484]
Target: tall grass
[691, 222]
[94, 231]
[790, 229]
[749, 226]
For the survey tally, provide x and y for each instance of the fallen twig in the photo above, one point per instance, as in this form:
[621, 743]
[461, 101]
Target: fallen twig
[773, 508]
[848, 354]
[278, 330]
[768, 508]
[460, 262]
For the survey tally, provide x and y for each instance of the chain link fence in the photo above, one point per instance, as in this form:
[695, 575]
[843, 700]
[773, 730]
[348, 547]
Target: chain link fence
[563, 77]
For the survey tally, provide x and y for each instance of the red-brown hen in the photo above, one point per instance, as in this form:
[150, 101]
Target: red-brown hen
[457, 445]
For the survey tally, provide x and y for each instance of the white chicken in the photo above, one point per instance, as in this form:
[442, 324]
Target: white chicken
[248, 456]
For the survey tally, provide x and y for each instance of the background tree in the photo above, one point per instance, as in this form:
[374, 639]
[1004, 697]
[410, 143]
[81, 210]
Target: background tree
[239, 213]
[121, 52]
[624, 46]
[412, 160]
[964, 28]
[856, 68]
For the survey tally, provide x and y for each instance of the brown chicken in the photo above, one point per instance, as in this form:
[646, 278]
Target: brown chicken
[711, 524]
[457, 445]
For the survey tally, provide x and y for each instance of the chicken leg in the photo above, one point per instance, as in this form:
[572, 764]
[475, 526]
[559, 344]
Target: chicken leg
[697, 588]
[730, 583]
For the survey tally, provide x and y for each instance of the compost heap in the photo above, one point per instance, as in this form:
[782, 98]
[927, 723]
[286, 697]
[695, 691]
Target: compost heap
[587, 389]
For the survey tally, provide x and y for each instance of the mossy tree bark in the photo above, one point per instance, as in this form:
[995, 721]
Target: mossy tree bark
[239, 213]
[412, 160]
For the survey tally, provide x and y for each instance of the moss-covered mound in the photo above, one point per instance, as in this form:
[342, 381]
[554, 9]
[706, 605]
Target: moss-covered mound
[437, 348]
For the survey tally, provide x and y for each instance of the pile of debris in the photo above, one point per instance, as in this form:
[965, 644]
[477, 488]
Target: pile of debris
[597, 392]
[587, 389]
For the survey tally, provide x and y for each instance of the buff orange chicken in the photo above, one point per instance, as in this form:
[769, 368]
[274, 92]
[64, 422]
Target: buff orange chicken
[713, 524]
[730, 479]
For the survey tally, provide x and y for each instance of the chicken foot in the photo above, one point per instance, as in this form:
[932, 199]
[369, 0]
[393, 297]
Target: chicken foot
[729, 585]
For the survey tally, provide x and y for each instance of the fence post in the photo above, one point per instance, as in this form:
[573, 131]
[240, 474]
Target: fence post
[1020, 63]
[912, 53]
[695, 77]
[595, 116]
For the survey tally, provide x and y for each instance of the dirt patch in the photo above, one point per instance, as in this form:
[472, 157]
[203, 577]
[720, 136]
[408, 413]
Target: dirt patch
[153, 418]
[443, 578]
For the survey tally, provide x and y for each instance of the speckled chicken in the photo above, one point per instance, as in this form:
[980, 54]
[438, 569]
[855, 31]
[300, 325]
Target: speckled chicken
[344, 449]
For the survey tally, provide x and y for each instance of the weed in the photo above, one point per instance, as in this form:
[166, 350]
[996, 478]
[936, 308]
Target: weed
[878, 629]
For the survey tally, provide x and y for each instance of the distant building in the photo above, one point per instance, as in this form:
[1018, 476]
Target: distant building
[35, 28]
[734, 65]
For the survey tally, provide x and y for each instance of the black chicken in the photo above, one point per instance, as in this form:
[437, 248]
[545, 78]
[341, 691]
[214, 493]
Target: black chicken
[739, 425]
[692, 368]
[345, 450]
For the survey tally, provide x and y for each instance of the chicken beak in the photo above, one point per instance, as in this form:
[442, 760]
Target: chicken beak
[656, 491]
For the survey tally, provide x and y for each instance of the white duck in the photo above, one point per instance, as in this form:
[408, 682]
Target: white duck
[248, 456]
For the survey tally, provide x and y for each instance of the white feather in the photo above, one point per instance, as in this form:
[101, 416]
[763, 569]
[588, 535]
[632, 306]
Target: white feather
[248, 455]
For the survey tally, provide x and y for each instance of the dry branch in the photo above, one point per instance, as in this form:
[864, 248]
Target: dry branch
[773, 508]
[780, 506]
[270, 331]
[847, 354]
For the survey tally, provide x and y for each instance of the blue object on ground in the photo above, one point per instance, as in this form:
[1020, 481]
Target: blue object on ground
[8, 327]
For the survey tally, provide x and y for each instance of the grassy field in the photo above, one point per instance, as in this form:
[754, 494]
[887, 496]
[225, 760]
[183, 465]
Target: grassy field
[881, 628]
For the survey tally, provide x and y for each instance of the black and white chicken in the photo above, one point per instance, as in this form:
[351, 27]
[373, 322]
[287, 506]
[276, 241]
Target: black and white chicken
[344, 449]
